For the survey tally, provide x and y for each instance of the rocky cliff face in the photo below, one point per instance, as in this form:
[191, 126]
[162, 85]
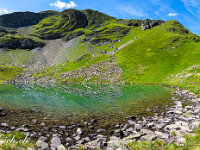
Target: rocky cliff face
[22, 19]
[97, 28]
[144, 24]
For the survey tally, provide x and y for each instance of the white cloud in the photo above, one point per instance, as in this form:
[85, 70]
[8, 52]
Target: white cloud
[172, 14]
[62, 5]
[3, 11]
[132, 11]
[193, 6]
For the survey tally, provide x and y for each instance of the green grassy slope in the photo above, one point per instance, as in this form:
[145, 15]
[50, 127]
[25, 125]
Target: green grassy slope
[8, 73]
[158, 53]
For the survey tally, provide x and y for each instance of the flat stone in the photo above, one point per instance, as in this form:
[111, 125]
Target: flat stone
[86, 139]
[166, 120]
[55, 142]
[161, 135]
[181, 123]
[112, 138]
[134, 136]
[62, 127]
[4, 124]
[116, 145]
[146, 131]
[61, 147]
[101, 130]
[131, 122]
[42, 145]
[131, 130]
[42, 124]
[12, 128]
[149, 137]
[96, 144]
[180, 141]
[194, 125]
[159, 126]
[189, 107]
[42, 138]
[172, 127]
[77, 138]
[138, 127]
[34, 120]
[150, 125]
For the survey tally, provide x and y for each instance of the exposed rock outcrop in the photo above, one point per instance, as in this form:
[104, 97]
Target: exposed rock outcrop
[144, 24]
[13, 42]
[22, 19]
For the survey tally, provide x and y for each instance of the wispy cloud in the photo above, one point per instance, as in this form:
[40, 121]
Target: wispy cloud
[3, 11]
[62, 5]
[162, 8]
[193, 6]
[172, 14]
[132, 11]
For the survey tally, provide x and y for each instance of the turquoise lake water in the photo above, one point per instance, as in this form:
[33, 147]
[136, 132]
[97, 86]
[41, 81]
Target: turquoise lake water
[84, 100]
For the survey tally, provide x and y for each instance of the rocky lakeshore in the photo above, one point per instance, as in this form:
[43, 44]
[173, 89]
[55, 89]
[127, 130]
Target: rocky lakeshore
[170, 125]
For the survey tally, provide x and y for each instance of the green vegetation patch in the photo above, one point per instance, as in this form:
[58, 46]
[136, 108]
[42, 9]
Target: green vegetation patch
[109, 33]
[48, 28]
[15, 140]
[192, 143]
[14, 41]
[8, 73]
[156, 54]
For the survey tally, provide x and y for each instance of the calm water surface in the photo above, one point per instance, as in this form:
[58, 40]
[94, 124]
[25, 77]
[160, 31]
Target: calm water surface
[84, 100]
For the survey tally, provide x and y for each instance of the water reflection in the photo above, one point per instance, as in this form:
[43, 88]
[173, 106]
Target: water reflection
[62, 100]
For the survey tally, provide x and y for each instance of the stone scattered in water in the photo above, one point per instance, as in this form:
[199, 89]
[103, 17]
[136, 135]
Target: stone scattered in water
[101, 130]
[42, 124]
[42, 145]
[35, 120]
[79, 131]
[4, 124]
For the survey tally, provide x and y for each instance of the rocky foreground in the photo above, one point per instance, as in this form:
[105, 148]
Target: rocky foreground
[169, 126]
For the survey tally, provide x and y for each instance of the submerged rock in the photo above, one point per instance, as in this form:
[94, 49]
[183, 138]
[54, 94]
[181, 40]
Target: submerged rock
[42, 145]
[55, 142]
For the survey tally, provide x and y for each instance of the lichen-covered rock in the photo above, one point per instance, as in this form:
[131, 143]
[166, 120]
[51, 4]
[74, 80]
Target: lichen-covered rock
[72, 35]
[14, 42]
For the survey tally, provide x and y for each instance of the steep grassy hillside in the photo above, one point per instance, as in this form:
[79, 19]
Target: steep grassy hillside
[60, 24]
[158, 53]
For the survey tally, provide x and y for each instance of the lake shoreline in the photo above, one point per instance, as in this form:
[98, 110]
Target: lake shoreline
[133, 128]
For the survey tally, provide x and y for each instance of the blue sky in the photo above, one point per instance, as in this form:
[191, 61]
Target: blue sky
[185, 11]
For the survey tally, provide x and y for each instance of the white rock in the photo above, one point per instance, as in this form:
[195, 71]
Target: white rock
[194, 125]
[79, 131]
[171, 127]
[162, 135]
[42, 145]
[138, 126]
[61, 147]
[181, 123]
[180, 141]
